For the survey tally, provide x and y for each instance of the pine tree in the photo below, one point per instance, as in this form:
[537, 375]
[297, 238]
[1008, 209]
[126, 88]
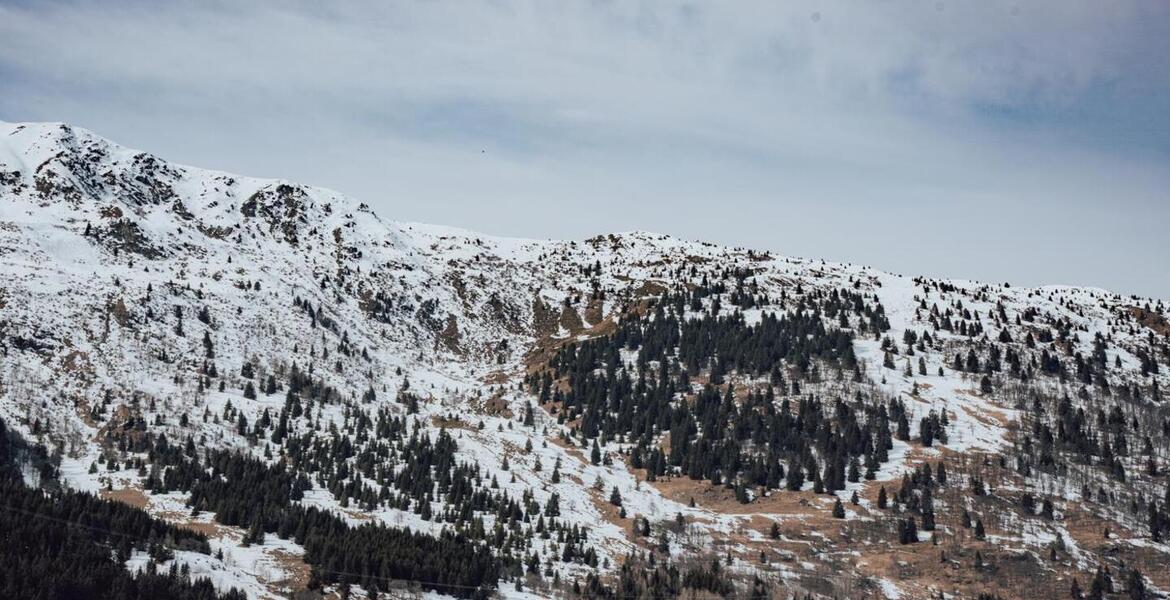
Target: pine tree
[909, 531]
[1136, 585]
[255, 533]
[795, 478]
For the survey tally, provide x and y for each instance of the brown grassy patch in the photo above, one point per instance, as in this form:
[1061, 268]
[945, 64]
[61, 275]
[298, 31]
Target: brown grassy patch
[452, 423]
[612, 513]
[649, 288]
[211, 530]
[570, 320]
[295, 566]
[496, 378]
[594, 311]
[133, 496]
[1151, 319]
[497, 406]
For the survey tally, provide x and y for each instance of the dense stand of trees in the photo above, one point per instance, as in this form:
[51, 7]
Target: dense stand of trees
[252, 494]
[58, 544]
[744, 439]
[641, 577]
[375, 458]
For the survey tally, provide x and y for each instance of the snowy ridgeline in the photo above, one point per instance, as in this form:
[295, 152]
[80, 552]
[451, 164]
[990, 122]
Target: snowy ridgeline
[143, 298]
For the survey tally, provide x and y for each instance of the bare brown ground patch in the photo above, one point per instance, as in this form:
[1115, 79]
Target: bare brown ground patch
[988, 416]
[546, 346]
[83, 413]
[1088, 531]
[570, 320]
[512, 450]
[594, 311]
[611, 513]
[1151, 319]
[496, 378]
[497, 406]
[720, 499]
[298, 572]
[919, 569]
[211, 530]
[649, 288]
[923, 569]
[133, 496]
[452, 423]
[76, 361]
[1011, 568]
[604, 326]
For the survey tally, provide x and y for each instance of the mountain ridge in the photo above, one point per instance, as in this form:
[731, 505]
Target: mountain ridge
[137, 290]
[70, 131]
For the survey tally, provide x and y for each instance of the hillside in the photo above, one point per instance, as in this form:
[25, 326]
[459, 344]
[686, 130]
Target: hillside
[278, 368]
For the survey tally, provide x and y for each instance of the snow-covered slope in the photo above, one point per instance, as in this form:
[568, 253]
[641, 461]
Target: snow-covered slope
[139, 293]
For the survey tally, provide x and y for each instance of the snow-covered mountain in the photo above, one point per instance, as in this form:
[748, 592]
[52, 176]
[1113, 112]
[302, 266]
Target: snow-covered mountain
[141, 298]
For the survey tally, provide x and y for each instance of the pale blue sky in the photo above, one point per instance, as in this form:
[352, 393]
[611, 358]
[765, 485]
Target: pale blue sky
[994, 140]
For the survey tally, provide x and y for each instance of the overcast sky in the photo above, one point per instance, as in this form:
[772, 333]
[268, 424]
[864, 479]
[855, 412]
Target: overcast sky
[1022, 141]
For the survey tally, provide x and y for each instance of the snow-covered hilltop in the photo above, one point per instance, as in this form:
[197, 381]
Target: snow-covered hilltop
[289, 324]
